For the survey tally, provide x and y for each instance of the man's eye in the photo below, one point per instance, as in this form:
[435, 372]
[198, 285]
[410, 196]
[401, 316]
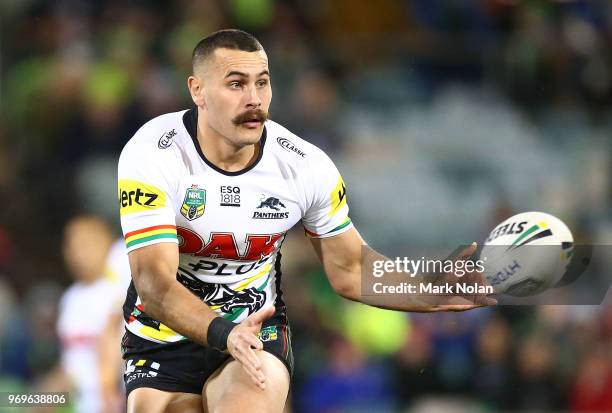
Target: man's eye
[234, 85]
[262, 82]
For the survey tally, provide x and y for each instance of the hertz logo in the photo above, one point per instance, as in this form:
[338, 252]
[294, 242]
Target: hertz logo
[135, 196]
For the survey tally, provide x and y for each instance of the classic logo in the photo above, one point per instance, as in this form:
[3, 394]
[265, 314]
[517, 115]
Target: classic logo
[136, 196]
[289, 146]
[166, 139]
[338, 197]
[194, 203]
[274, 204]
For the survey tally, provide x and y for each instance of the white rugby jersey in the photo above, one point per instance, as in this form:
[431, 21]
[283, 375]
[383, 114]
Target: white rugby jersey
[117, 268]
[229, 226]
[84, 311]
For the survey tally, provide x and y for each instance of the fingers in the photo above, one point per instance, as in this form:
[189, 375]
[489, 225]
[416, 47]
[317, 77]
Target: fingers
[243, 345]
[457, 308]
[254, 342]
[241, 349]
[476, 303]
[249, 363]
[467, 252]
[483, 300]
[462, 303]
[259, 317]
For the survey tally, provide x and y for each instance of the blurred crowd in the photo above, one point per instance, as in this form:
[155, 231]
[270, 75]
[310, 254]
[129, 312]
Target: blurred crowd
[444, 118]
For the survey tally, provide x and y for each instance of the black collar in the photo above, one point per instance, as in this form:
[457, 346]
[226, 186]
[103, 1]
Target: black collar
[190, 120]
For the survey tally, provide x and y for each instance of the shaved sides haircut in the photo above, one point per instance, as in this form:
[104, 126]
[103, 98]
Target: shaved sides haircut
[223, 39]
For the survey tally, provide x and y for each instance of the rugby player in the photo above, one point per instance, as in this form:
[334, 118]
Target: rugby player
[110, 364]
[84, 309]
[206, 197]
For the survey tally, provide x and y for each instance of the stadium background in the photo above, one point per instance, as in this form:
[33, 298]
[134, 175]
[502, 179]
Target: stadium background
[444, 117]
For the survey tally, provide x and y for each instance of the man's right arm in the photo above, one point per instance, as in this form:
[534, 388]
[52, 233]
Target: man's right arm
[154, 270]
[154, 274]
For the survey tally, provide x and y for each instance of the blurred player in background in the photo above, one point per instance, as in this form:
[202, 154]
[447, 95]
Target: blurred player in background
[84, 311]
[206, 198]
[110, 362]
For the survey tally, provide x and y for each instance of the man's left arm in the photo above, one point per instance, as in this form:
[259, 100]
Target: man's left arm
[342, 259]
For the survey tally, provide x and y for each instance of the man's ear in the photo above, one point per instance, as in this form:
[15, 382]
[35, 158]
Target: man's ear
[196, 89]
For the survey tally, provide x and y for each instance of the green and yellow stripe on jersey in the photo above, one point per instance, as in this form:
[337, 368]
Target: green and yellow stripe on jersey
[150, 234]
[347, 221]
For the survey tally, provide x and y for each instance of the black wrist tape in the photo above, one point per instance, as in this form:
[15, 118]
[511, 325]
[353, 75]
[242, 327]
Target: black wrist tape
[218, 331]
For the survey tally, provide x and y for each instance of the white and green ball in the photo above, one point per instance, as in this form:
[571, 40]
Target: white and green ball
[527, 254]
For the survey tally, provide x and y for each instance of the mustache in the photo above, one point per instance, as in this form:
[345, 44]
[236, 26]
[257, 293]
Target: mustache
[253, 114]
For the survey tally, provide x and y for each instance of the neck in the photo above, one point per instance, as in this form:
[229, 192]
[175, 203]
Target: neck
[222, 152]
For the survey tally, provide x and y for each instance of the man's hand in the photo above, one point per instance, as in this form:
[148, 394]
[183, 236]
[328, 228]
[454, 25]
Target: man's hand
[243, 342]
[457, 302]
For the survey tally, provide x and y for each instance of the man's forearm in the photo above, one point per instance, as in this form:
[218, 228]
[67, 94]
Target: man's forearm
[173, 305]
[412, 302]
[351, 286]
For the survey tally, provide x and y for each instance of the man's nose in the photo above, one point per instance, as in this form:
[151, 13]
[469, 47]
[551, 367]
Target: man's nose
[253, 99]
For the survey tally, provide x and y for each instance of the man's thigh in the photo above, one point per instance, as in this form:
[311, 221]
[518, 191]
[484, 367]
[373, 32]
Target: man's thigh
[167, 378]
[147, 400]
[232, 390]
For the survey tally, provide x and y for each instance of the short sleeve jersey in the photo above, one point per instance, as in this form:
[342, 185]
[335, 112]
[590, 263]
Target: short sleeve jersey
[83, 312]
[117, 269]
[229, 226]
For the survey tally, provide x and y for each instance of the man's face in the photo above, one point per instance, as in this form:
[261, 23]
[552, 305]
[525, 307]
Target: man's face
[236, 94]
[85, 247]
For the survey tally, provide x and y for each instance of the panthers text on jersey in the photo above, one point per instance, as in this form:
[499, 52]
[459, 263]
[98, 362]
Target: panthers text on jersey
[229, 226]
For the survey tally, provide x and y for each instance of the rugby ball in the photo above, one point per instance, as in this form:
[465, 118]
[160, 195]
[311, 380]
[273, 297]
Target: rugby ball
[527, 254]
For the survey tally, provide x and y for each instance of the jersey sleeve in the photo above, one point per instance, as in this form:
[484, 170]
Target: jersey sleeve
[327, 214]
[117, 271]
[145, 188]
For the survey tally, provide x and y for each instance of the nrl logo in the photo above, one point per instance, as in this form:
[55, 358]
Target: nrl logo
[194, 203]
[269, 333]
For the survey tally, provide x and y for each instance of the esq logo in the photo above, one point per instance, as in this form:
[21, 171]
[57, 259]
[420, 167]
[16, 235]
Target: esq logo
[135, 196]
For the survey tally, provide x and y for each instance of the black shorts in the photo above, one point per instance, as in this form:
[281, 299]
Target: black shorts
[185, 366]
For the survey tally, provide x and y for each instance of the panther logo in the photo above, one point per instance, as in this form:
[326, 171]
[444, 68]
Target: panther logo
[221, 295]
[272, 203]
[249, 298]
